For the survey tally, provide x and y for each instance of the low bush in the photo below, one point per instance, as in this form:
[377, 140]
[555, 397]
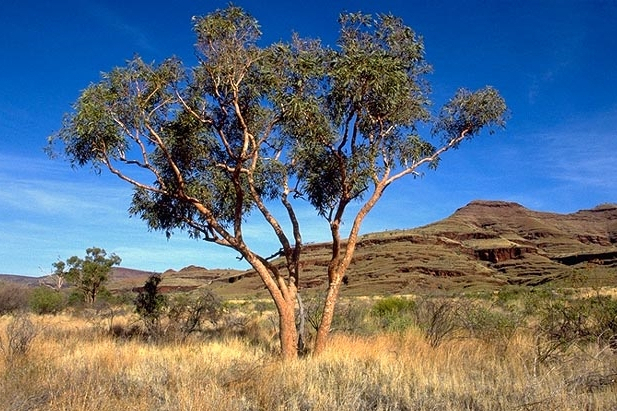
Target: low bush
[437, 318]
[150, 305]
[390, 306]
[44, 300]
[394, 313]
[603, 319]
[13, 297]
[189, 313]
[350, 317]
[20, 332]
[489, 323]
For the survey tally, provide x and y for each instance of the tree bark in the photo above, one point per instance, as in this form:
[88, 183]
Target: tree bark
[328, 312]
[288, 334]
[339, 265]
[283, 294]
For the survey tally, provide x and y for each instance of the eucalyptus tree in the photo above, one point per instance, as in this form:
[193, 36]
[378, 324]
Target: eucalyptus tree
[214, 147]
[89, 274]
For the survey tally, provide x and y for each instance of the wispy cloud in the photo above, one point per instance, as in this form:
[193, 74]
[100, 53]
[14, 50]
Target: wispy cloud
[41, 187]
[583, 152]
[116, 23]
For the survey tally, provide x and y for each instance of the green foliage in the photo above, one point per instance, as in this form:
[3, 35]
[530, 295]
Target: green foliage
[603, 319]
[90, 274]
[468, 112]
[394, 313]
[76, 299]
[489, 323]
[235, 129]
[150, 305]
[390, 306]
[510, 294]
[570, 321]
[44, 300]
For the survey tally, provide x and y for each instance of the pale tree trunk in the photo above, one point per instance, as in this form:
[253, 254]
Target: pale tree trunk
[288, 333]
[329, 305]
[283, 294]
[338, 265]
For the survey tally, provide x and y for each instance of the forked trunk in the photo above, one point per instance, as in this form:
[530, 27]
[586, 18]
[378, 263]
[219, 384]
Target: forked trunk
[338, 267]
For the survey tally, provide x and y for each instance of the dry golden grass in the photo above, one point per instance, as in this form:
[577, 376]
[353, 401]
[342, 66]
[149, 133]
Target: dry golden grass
[72, 365]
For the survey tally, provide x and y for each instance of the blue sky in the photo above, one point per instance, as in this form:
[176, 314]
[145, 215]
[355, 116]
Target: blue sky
[555, 63]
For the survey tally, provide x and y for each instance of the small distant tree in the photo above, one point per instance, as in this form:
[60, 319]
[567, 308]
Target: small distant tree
[150, 305]
[210, 148]
[90, 274]
[55, 280]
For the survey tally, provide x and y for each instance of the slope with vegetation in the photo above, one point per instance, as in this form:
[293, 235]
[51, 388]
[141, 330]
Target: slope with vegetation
[484, 245]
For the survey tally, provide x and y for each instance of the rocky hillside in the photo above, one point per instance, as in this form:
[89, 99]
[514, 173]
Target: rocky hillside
[486, 244]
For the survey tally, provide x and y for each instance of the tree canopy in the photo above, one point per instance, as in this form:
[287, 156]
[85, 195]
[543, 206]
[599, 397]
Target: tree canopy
[210, 148]
[90, 274]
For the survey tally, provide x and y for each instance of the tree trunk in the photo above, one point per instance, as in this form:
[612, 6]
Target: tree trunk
[283, 294]
[328, 313]
[288, 333]
[338, 267]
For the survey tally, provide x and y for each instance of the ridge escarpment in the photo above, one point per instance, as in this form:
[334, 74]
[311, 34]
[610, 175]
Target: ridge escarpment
[485, 244]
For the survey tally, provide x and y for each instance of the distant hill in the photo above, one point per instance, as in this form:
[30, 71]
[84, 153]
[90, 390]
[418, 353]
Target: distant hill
[484, 245]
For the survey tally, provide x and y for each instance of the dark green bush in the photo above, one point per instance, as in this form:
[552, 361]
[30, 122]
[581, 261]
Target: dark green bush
[76, 299]
[150, 305]
[45, 300]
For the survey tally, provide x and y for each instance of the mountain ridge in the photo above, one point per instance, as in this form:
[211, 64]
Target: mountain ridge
[482, 244]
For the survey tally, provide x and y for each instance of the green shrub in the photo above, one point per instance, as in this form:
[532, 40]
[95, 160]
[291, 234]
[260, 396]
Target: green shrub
[601, 314]
[394, 313]
[563, 321]
[511, 294]
[489, 323]
[76, 299]
[389, 306]
[150, 305]
[44, 300]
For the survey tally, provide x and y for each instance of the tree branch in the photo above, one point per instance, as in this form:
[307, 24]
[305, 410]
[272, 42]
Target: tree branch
[429, 159]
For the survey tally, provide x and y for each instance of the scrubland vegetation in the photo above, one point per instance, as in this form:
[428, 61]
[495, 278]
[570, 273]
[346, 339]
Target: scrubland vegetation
[518, 349]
